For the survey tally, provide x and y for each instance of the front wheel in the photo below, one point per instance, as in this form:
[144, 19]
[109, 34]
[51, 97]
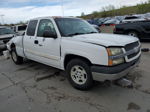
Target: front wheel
[79, 74]
[16, 59]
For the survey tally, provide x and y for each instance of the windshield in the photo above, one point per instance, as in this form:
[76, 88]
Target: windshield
[4, 31]
[73, 26]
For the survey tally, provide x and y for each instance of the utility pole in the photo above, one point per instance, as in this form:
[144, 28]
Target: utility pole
[2, 18]
[62, 7]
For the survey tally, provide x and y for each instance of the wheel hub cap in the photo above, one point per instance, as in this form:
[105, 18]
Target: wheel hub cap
[78, 74]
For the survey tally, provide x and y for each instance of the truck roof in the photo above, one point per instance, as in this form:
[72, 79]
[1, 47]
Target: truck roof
[53, 17]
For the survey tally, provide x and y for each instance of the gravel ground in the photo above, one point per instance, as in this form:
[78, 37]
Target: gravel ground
[20, 91]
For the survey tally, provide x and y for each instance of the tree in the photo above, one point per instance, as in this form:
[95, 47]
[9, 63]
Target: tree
[108, 8]
[82, 14]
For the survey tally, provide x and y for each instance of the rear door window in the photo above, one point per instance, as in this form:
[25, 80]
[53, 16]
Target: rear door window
[32, 27]
[22, 28]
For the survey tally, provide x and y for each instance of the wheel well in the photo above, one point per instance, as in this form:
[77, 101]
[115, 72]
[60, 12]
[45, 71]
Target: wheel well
[12, 45]
[131, 30]
[69, 57]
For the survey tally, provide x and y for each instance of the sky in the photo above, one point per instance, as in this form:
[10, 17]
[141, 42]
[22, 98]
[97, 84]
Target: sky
[23, 10]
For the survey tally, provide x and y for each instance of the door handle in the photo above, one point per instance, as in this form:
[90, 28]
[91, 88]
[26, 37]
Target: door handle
[40, 45]
[36, 42]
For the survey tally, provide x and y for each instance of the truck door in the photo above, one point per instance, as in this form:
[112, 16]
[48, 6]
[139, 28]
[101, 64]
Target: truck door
[48, 49]
[146, 29]
[29, 40]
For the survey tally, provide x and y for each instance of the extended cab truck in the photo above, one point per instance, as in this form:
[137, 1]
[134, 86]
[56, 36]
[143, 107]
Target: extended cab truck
[73, 45]
[140, 29]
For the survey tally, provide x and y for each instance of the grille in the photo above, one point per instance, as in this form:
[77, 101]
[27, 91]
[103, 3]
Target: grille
[131, 46]
[133, 55]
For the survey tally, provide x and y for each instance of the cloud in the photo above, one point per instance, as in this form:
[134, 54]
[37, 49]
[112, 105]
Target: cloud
[13, 15]
[32, 8]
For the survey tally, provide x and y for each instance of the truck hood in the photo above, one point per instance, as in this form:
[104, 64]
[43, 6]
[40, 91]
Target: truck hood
[105, 39]
[6, 36]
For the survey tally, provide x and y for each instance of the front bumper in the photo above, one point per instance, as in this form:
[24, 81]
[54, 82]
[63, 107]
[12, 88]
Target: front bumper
[101, 73]
[5, 40]
[2, 45]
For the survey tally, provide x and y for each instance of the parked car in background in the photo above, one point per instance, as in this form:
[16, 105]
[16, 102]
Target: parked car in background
[120, 18]
[111, 22]
[73, 45]
[109, 25]
[90, 21]
[5, 35]
[98, 21]
[2, 46]
[147, 16]
[19, 29]
[134, 18]
[96, 27]
[140, 29]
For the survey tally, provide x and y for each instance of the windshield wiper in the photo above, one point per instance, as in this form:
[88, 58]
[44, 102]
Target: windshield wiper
[7, 33]
[91, 32]
[75, 34]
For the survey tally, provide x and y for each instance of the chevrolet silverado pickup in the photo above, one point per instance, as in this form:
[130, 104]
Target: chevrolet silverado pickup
[73, 45]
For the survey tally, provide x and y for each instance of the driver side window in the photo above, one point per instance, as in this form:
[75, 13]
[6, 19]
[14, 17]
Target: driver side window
[45, 25]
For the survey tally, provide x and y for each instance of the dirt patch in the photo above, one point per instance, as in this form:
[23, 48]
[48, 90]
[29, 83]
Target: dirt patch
[137, 86]
[25, 68]
[41, 76]
[59, 96]
[135, 76]
[148, 110]
[133, 106]
[25, 89]
[146, 91]
[62, 79]
[52, 88]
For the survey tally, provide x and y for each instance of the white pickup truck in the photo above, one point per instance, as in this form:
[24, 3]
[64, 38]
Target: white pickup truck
[73, 45]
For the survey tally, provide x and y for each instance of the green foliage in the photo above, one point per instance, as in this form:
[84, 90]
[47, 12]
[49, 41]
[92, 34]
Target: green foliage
[110, 11]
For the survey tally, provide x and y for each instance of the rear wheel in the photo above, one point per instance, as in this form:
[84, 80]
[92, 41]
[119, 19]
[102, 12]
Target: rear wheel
[16, 59]
[79, 74]
[133, 33]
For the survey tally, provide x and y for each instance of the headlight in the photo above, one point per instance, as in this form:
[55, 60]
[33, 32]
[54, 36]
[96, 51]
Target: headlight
[117, 61]
[114, 52]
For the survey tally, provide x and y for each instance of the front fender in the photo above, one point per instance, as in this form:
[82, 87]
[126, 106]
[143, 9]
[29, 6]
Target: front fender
[96, 54]
[9, 44]
[17, 41]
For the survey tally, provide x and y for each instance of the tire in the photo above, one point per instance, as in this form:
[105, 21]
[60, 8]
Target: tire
[79, 74]
[133, 33]
[16, 59]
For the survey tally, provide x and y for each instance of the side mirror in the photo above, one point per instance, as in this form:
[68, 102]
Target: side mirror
[49, 34]
[23, 33]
